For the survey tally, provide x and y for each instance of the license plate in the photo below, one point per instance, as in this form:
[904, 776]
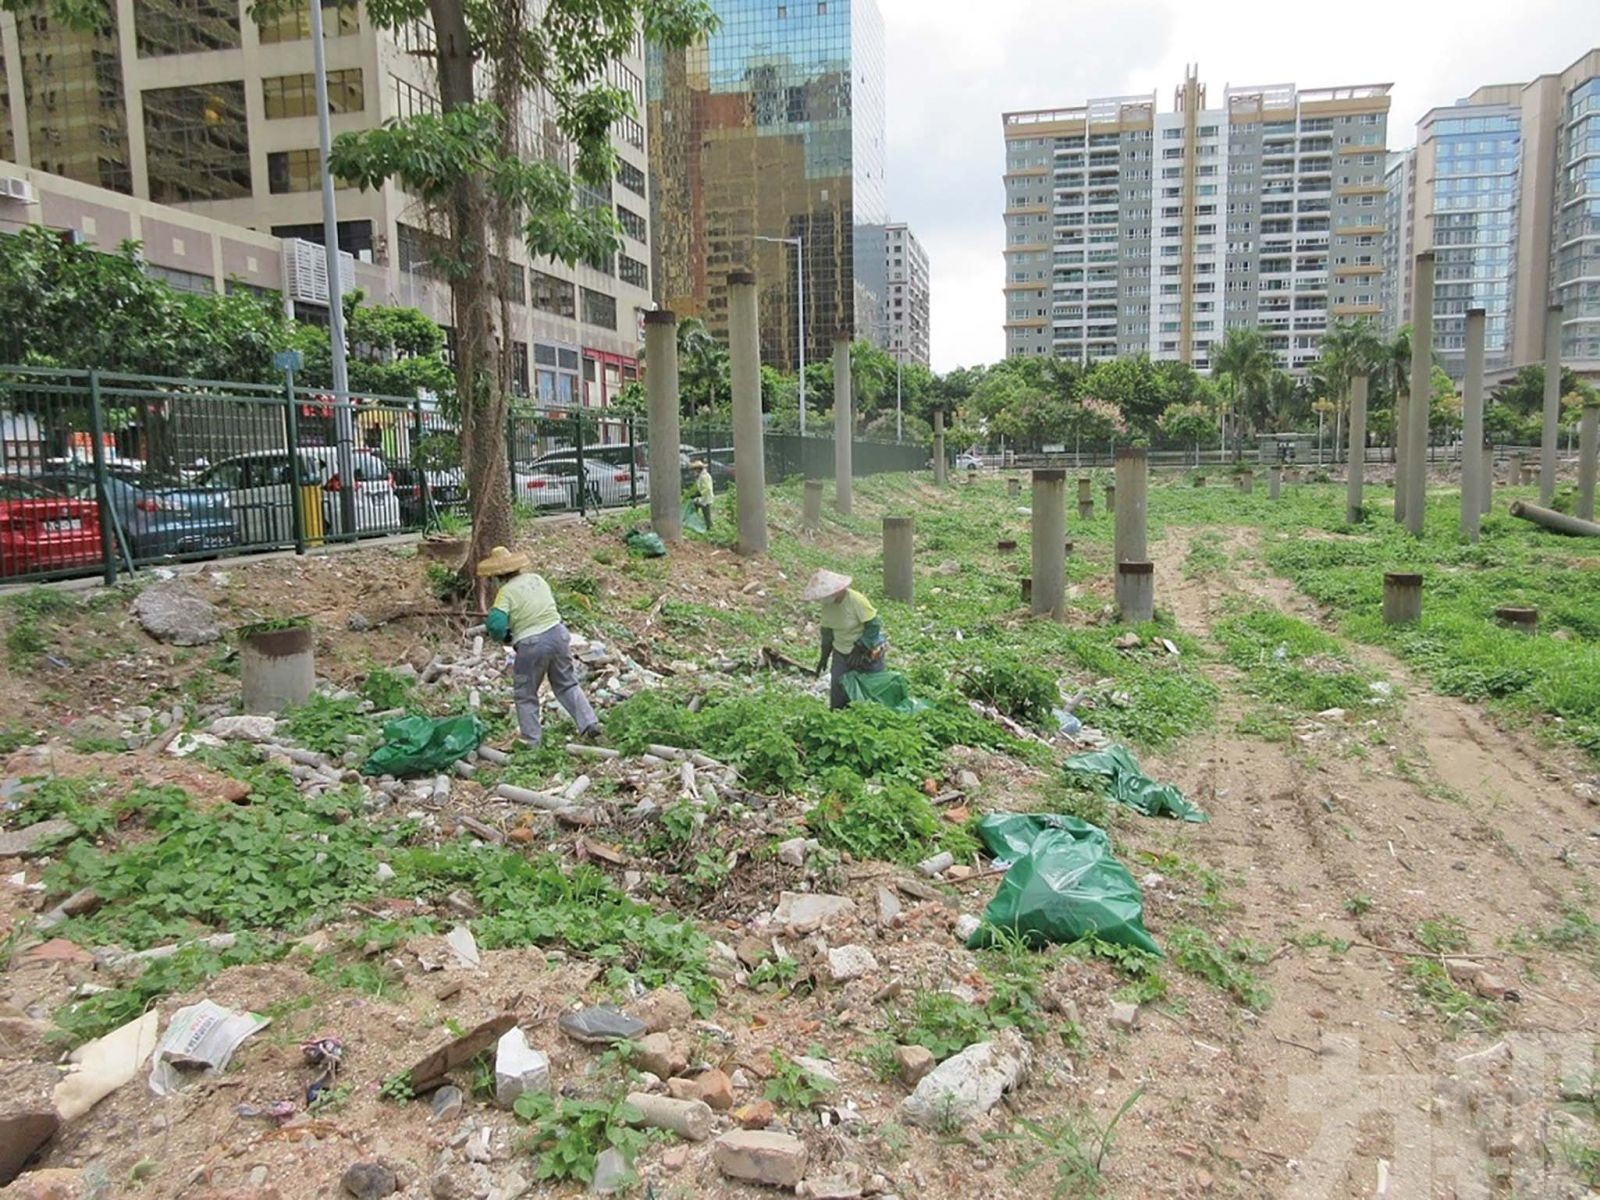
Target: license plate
[62, 526]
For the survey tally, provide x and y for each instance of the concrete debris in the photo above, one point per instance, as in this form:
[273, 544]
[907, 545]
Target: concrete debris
[850, 962]
[1123, 1016]
[756, 1115]
[33, 840]
[245, 728]
[369, 1181]
[176, 614]
[937, 865]
[966, 925]
[601, 1026]
[464, 946]
[611, 1172]
[843, 1181]
[27, 1117]
[757, 1156]
[912, 1063]
[518, 1068]
[689, 1119]
[811, 910]
[888, 907]
[967, 1085]
[446, 1104]
[664, 1008]
[712, 1087]
[660, 1055]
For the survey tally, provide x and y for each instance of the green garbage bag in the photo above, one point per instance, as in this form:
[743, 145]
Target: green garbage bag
[888, 688]
[423, 745]
[1131, 786]
[1065, 886]
[648, 544]
[692, 520]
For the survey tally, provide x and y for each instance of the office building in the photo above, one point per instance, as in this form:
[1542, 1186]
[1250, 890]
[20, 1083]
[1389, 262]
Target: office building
[191, 103]
[1505, 190]
[773, 128]
[906, 295]
[1399, 251]
[1130, 230]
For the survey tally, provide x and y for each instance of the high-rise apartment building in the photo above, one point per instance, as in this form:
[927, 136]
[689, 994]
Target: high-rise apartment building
[1399, 203]
[906, 295]
[192, 103]
[767, 147]
[1504, 188]
[1130, 230]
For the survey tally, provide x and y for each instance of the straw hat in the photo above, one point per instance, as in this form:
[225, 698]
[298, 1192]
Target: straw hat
[698, 465]
[824, 584]
[501, 561]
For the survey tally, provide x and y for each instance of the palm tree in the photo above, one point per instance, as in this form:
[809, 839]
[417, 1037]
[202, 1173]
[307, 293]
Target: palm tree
[1244, 359]
[1348, 349]
[707, 359]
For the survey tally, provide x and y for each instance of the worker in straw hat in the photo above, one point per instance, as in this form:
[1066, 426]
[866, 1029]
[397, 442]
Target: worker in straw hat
[852, 635]
[525, 615]
[704, 491]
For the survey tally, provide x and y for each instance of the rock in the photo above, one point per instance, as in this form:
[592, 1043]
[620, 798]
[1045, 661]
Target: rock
[27, 1122]
[384, 873]
[1491, 987]
[518, 1068]
[937, 865]
[758, 1115]
[601, 1026]
[792, 853]
[447, 1185]
[1462, 970]
[712, 1088]
[245, 729]
[176, 614]
[1123, 1015]
[674, 1158]
[687, 1118]
[23, 1038]
[752, 952]
[659, 1055]
[967, 925]
[611, 1172]
[818, 1068]
[850, 962]
[842, 1182]
[756, 1156]
[447, 1103]
[47, 1183]
[967, 780]
[811, 909]
[888, 907]
[913, 1063]
[464, 946]
[430, 1071]
[369, 1181]
[1128, 641]
[958, 873]
[664, 1008]
[1331, 714]
[967, 1085]
[58, 950]
[33, 840]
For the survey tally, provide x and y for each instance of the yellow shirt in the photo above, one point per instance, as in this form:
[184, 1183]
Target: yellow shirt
[847, 617]
[703, 488]
[529, 604]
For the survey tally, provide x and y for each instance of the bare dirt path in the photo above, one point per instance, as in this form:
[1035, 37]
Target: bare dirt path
[1362, 832]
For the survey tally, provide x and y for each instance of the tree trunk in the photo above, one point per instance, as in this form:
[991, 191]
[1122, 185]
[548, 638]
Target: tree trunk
[481, 398]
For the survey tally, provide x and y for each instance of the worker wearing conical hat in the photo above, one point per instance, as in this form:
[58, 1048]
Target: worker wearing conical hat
[525, 615]
[704, 491]
[852, 635]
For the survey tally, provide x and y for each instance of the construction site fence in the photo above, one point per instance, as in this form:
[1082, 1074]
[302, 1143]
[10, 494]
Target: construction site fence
[103, 474]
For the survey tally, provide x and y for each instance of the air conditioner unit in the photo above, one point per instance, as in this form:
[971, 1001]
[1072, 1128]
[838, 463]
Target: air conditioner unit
[305, 271]
[19, 190]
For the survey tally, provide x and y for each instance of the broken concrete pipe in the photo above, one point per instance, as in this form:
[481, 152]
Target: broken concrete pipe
[1523, 620]
[1548, 518]
[277, 668]
[1402, 598]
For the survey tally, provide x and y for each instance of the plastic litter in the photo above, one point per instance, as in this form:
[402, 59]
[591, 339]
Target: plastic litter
[692, 520]
[647, 544]
[201, 1035]
[1063, 885]
[1067, 723]
[326, 1053]
[1128, 785]
[423, 745]
[888, 688]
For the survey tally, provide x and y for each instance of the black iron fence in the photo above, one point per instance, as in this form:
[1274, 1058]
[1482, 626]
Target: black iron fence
[103, 473]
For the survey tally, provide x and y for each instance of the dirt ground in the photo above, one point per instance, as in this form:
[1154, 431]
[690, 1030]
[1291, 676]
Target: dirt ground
[1356, 830]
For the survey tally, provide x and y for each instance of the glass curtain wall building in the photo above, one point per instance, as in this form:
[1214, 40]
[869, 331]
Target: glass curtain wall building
[1577, 222]
[773, 128]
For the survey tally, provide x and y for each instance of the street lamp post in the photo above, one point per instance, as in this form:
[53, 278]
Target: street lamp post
[800, 304]
[899, 423]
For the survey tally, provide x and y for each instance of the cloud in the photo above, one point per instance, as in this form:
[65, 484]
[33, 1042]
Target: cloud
[954, 67]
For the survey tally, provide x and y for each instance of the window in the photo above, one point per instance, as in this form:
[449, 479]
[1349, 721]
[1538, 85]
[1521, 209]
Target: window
[355, 237]
[183, 281]
[631, 270]
[553, 295]
[633, 224]
[516, 287]
[294, 171]
[162, 27]
[630, 177]
[599, 309]
[294, 24]
[412, 101]
[76, 120]
[296, 95]
[197, 144]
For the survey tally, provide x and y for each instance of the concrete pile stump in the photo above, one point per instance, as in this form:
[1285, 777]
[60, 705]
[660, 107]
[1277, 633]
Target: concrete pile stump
[1085, 497]
[1355, 472]
[1472, 427]
[1588, 447]
[1049, 597]
[1523, 620]
[1274, 483]
[898, 578]
[843, 428]
[1402, 598]
[1136, 592]
[661, 391]
[1128, 502]
[811, 512]
[749, 451]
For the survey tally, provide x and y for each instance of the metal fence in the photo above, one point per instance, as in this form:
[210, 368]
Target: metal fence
[102, 473]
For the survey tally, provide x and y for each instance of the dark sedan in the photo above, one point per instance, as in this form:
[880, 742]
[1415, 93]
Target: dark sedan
[159, 516]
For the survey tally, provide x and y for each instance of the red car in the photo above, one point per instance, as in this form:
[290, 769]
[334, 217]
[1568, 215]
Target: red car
[42, 530]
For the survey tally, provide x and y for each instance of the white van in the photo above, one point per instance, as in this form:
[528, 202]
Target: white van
[262, 491]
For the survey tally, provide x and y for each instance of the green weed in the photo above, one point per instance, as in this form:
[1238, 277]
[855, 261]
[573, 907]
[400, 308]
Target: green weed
[1074, 1147]
[328, 726]
[792, 1086]
[29, 636]
[1442, 935]
[1358, 905]
[1226, 968]
[569, 1135]
[894, 823]
[1435, 990]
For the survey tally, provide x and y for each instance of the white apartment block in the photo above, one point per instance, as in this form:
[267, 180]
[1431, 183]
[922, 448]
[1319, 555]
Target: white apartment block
[1130, 230]
[192, 104]
[907, 299]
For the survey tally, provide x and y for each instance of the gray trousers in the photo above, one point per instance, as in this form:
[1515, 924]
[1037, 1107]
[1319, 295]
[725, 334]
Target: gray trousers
[842, 663]
[548, 655]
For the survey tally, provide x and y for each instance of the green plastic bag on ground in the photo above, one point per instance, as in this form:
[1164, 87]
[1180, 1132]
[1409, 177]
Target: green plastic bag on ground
[692, 520]
[423, 745]
[888, 688]
[1131, 786]
[646, 543]
[1064, 886]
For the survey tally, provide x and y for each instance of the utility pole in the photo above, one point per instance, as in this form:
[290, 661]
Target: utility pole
[343, 405]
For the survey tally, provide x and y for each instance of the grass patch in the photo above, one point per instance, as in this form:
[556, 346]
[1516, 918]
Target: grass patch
[1073, 1147]
[895, 823]
[1292, 667]
[31, 632]
[1224, 967]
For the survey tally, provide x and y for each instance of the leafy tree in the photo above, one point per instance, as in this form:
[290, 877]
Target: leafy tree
[1242, 356]
[705, 378]
[1189, 424]
[1140, 390]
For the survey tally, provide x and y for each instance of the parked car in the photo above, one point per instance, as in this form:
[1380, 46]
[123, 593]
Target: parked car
[969, 462]
[44, 530]
[261, 485]
[552, 480]
[718, 462]
[545, 485]
[157, 515]
[447, 490]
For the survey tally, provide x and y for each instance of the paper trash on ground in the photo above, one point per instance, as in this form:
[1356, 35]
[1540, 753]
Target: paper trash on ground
[202, 1035]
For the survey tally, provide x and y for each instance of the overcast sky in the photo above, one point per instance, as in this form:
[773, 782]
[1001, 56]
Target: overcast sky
[955, 66]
